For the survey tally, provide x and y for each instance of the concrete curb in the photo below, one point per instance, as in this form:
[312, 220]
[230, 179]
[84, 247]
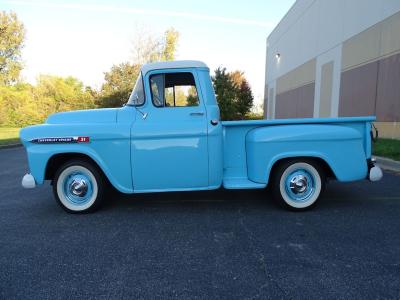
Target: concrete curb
[388, 164]
[10, 146]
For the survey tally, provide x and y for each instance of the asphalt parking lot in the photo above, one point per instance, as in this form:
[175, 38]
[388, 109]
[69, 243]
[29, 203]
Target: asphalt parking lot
[220, 244]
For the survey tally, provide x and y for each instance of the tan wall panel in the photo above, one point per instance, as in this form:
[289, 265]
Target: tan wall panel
[306, 73]
[362, 48]
[286, 82]
[298, 77]
[390, 130]
[390, 39]
[326, 90]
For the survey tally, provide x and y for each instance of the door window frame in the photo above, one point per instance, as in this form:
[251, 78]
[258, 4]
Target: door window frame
[169, 71]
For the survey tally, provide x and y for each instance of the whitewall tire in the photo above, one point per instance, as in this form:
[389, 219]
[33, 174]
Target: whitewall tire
[298, 184]
[78, 186]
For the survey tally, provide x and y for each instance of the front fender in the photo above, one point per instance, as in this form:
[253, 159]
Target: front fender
[109, 147]
[339, 146]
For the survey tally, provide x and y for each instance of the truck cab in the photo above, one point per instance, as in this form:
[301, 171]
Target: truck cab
[169, 137]
[177, 117]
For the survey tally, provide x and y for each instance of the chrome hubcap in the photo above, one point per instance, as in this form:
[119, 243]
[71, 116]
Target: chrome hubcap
[298, 184]
[78, 187]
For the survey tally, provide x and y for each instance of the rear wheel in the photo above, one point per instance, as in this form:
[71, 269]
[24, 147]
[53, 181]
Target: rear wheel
[79, 186]
[298, 184]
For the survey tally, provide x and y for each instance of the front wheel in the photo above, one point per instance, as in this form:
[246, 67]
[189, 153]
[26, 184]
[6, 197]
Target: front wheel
[298, 184]
[78, 186]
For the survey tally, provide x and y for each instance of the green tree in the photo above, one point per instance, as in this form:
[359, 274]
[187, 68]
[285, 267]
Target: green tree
[119, 81]
[225, 91]
[237, 77]
[149, 48]
[22, 104]
[244, 101]
[12, 35]
[244, 95]
[17, 107]
[192, 98]
[169, 45]
[234, 94]
[118, 85]
[54, 93]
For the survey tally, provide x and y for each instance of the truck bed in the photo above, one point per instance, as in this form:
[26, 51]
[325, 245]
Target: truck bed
[234, 143]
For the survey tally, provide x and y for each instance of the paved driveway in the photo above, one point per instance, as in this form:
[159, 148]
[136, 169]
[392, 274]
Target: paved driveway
[221, 244]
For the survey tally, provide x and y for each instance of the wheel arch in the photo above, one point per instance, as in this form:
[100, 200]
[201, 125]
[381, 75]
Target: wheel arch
[56, 160]
[326, 168]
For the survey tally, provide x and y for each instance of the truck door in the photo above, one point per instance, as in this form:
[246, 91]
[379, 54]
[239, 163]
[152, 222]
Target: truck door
[169, 145]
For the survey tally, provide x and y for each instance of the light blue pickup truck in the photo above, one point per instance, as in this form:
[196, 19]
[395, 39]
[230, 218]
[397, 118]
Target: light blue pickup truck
[169, 137]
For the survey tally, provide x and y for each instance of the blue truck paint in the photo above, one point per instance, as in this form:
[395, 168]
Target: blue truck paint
[109, 141]
[265, 146]
[94, 116]
[151, 149]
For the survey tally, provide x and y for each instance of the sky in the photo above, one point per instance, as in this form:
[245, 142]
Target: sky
[85, 38]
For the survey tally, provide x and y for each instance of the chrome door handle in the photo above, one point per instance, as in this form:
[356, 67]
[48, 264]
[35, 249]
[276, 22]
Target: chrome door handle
[214, 122]
[197, 114]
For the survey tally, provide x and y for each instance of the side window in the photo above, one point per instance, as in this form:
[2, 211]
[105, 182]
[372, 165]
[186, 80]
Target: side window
[137, 96]
[174, 90]
[157, 90]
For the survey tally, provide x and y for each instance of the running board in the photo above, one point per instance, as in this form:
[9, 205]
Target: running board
[236, 183]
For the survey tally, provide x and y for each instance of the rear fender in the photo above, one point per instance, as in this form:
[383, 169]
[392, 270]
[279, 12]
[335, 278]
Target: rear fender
[339, 146]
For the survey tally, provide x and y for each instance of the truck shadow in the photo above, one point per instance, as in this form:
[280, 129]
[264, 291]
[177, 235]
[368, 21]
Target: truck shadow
[336, 196]
[207, 198]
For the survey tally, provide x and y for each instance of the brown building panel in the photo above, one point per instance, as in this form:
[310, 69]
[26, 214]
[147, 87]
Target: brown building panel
[286, 105]
[305, 104]
[358, 91]
[296, 103]
[388, 95]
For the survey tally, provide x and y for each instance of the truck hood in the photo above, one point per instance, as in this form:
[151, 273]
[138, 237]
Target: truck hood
[104, 115]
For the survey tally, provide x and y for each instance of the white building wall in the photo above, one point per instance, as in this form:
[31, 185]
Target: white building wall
[317, 29]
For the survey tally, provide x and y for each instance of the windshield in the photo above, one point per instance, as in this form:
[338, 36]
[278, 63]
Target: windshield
[137, 96]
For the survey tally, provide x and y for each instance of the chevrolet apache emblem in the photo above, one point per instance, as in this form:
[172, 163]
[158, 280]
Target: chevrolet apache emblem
[60, 140]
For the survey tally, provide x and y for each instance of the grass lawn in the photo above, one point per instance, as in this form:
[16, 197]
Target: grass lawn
[9, 136]
[387, 148]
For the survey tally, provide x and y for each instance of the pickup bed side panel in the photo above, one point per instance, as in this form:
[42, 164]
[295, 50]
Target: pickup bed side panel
[341, 147]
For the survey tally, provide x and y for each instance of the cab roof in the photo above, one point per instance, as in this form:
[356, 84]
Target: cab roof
[178, 64]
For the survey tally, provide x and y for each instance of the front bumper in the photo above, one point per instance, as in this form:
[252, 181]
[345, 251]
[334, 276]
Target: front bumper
[28, 181]
[374, 171]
